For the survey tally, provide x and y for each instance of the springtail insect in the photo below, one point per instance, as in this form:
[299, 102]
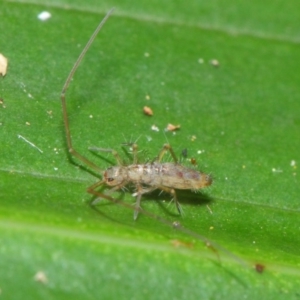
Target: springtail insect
[165, 176]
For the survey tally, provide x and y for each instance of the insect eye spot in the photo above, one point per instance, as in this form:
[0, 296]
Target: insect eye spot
[110, 179]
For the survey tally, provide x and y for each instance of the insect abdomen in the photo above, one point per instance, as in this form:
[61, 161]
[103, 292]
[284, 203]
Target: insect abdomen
[182, 178]
[168, 175]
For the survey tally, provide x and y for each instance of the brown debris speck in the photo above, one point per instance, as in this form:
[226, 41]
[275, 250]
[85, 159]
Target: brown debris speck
[193, 161]
[171, 127]
[259, 268]
[147, 111]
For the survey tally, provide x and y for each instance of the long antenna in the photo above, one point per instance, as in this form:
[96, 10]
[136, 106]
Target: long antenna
[72, 151]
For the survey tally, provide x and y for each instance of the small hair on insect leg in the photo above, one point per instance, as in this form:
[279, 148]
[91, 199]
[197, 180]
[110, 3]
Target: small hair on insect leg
[178, 206]
[127, 143]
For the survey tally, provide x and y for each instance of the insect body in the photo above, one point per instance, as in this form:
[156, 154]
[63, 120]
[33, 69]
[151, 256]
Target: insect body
[144, 177]
[155, 175]
[166, 176]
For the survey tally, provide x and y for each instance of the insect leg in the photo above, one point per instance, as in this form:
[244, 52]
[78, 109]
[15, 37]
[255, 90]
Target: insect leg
[162, 152]
[137, 203]
[134, 152]
[134, 149]
[176, 225]
[173, 194]
[113, 152]
[138, 194]
[171, 191]
[93, 190]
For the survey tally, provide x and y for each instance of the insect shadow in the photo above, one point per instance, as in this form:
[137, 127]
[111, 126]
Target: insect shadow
[186, 197]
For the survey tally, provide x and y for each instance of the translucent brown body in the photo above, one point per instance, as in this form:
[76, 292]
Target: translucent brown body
[169, 175]
[145, 177]
[166, 176]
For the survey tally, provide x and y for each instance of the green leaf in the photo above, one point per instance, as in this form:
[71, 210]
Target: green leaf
[239, 120]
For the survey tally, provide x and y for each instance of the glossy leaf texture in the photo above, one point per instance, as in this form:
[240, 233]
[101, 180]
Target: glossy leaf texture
[227, 74]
